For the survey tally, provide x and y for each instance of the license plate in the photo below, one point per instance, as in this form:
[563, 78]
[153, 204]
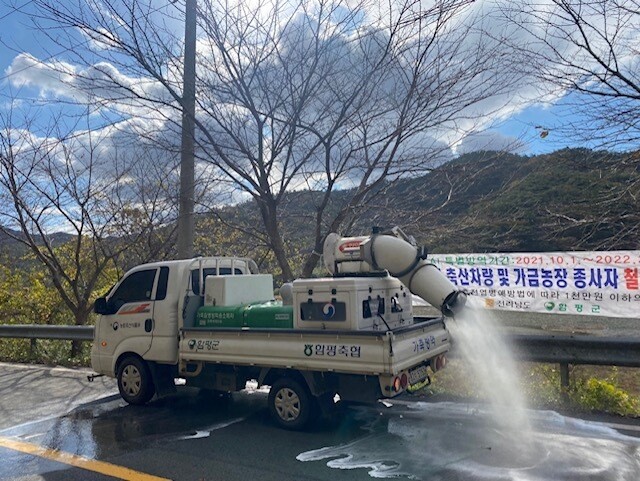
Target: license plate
[418, 374]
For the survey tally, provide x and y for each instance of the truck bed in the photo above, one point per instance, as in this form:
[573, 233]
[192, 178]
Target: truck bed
[355, 352]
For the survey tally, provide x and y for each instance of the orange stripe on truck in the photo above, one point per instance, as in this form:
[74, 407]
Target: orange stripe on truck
[135, 310]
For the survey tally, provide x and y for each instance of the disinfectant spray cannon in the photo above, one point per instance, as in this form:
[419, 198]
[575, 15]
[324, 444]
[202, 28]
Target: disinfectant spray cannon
[395, 252]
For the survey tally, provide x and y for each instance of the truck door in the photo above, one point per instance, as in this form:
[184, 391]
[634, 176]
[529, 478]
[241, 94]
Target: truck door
[132, 320]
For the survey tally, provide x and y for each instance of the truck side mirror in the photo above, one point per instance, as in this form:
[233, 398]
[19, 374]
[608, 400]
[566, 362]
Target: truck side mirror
[100, 306]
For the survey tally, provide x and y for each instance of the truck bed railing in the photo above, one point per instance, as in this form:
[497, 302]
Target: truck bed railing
[423, 323]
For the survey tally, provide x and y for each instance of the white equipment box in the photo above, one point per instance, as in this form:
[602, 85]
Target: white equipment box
[233, 290]
[351, 303]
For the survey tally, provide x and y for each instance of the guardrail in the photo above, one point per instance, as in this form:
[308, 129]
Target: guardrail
[577, 349]
[566, 350]
[559, 349]
[39, 331]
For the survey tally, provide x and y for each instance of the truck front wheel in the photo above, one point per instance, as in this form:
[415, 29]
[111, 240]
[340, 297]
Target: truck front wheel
[134, 381]
[290, 403]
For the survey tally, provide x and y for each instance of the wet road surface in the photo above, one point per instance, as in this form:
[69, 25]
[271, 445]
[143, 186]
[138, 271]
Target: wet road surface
[33, 392]
[194, 436]
[188, 436]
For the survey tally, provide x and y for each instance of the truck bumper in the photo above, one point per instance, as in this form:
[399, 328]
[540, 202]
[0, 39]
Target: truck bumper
[98, 363]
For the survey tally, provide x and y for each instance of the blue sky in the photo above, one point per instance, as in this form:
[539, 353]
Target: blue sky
[18, 36]
[529, 124]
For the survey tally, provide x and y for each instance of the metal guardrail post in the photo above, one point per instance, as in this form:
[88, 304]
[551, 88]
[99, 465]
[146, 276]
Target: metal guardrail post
[564, 381]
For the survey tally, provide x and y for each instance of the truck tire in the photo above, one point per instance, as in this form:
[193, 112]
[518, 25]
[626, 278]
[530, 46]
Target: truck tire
[290, 403]
[134, 381]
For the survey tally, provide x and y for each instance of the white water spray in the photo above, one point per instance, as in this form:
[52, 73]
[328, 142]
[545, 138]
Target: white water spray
[490, 361]
[452, 441]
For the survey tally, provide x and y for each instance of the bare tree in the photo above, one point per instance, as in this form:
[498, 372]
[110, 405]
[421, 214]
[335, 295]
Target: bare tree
[55, 182]
[585, 51]
[584, 55]
[326, 101]
[612, 221]
[322, 95]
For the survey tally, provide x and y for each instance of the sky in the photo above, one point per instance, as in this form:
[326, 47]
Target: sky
[136, 142]
[528, 127]
[519, 130]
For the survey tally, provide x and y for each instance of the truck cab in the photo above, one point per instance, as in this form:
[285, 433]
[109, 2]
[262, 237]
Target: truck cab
[139, 318]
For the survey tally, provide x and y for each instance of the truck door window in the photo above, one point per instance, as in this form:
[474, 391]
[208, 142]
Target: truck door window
[136, 287]
[161, 290]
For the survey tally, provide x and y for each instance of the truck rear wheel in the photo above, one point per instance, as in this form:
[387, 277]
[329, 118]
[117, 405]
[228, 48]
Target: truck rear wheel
[290, 403]
[134, 381]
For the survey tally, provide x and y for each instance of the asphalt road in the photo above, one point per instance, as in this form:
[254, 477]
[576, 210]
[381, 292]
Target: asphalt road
[85, 432]
[29, 393]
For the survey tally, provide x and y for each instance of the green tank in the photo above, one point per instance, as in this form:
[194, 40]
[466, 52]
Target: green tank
[266, 315]
[228, 316]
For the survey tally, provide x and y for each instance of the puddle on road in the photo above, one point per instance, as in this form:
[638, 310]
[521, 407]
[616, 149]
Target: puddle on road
[111, 427]
[206, 432]
[451, 441]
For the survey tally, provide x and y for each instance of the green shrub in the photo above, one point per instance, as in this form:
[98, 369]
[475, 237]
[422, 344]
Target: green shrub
[541, 385]
[604, 396]
[49, 352]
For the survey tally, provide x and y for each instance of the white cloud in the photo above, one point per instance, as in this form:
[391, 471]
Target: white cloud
[101, 86]
[50, 78]
[489, 140]
[100, 38]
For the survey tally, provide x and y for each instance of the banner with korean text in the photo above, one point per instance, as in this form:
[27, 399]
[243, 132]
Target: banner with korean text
[582, 283]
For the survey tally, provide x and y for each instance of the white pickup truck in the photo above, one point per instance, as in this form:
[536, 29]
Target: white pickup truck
[215, 323]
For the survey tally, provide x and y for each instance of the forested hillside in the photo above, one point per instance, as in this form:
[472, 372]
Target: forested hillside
[573, 199]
